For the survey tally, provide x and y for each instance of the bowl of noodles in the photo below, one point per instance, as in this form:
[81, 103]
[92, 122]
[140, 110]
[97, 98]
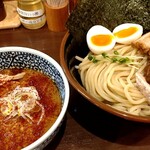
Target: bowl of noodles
[34, 96]
[113, 81]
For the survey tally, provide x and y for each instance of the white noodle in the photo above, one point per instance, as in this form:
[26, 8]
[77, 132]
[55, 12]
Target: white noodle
[115, 83]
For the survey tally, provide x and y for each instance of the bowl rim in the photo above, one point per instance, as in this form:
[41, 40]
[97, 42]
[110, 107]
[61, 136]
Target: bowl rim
[67, 91]
[86, 95]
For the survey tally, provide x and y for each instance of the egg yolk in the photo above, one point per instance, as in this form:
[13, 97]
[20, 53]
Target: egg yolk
[126, 32]
[101, 40]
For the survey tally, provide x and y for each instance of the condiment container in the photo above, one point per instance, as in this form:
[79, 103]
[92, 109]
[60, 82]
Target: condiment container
[57, 16]
[32, 14]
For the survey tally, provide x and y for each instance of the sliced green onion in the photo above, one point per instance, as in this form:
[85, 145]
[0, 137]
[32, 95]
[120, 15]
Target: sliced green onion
[116, 52]
[92, 58]
[114, 59]
[105, 55]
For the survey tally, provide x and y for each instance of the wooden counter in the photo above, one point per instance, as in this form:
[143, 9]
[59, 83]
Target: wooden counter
[86, 127]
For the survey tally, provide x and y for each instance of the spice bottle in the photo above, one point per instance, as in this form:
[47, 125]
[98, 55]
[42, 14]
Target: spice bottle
[31, 13]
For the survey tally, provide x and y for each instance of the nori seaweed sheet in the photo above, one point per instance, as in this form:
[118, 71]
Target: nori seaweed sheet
[108, 13]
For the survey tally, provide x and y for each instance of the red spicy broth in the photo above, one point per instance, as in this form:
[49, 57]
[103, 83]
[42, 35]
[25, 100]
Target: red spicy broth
[23, 118]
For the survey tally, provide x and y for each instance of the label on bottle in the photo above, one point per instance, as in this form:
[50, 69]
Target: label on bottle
[30, 14]
[33, 21]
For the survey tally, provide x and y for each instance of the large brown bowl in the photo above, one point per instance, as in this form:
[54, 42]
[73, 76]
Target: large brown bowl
[68, 50]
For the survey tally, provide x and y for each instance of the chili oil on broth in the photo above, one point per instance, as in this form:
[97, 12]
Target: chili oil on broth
[17, 132]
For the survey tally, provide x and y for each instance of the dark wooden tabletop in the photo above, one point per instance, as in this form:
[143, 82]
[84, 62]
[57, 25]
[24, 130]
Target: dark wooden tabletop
[86, 127]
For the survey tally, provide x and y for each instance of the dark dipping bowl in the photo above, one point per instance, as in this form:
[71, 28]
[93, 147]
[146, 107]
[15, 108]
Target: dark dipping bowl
[68, 50]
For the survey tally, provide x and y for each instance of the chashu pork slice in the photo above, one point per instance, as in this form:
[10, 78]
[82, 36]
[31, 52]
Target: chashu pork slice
[143, 86]
[143, 43]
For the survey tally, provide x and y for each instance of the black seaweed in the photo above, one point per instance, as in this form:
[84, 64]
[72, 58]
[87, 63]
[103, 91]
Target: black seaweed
[108, 13]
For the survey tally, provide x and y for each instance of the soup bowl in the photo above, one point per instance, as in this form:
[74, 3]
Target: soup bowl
[68, 50]
[22, 57]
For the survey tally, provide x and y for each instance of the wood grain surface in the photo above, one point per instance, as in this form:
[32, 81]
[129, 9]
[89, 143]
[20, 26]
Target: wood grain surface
[86, 127]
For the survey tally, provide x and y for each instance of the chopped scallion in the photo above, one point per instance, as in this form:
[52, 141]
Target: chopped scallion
[116, 52]
[92, 58]
[105, 55]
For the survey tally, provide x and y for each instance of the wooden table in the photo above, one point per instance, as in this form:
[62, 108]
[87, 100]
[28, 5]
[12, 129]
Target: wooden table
[86, 127]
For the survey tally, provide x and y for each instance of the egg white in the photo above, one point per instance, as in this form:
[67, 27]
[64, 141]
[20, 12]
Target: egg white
[129, 39]
[99, 30]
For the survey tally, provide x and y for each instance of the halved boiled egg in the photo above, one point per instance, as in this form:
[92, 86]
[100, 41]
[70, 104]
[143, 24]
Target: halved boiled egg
[100, 39]
[127, 33]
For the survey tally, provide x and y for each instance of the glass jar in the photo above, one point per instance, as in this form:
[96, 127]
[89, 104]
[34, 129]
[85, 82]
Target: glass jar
[31, 13]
